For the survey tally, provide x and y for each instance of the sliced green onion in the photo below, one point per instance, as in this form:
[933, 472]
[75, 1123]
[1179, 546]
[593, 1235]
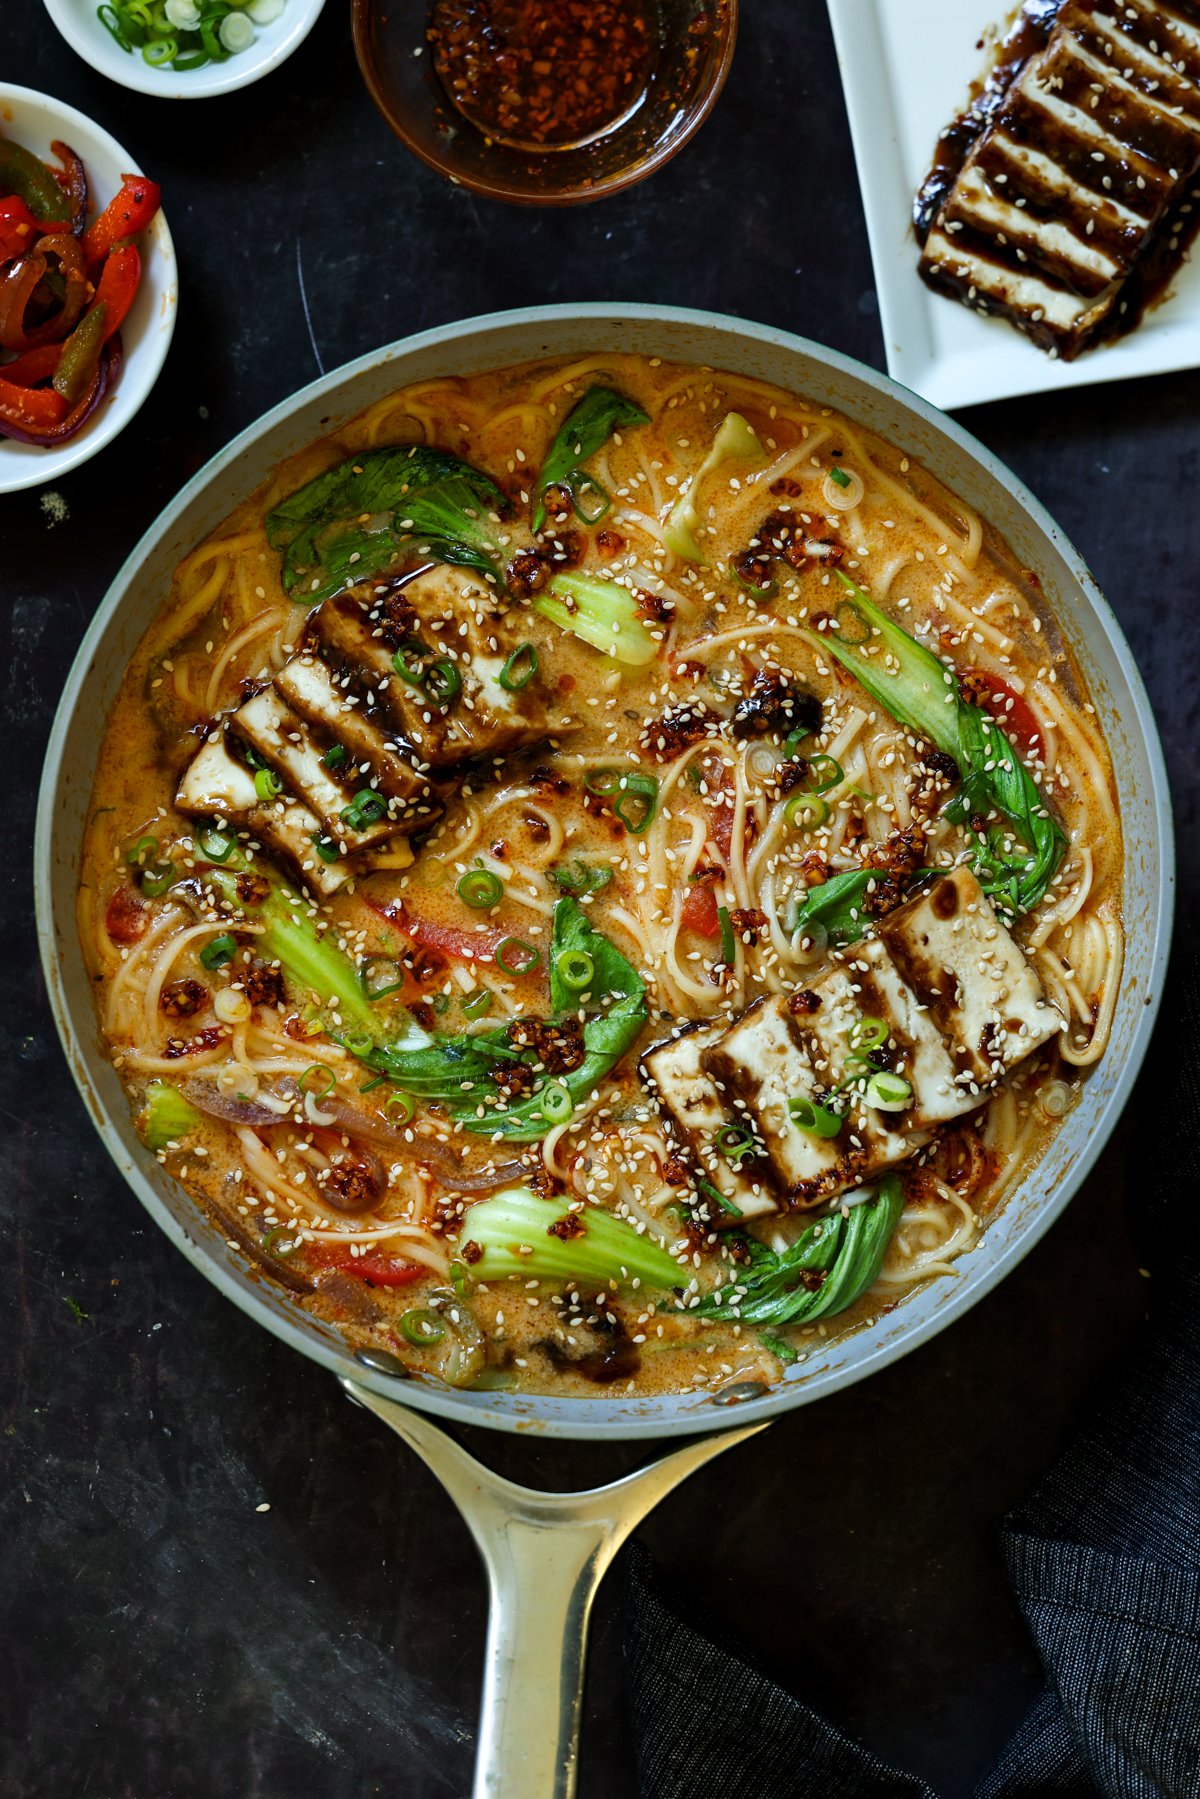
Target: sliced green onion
[222, 949]
[380, 975]
[326, 847]
[443, 683]
[215, 845]
[408, 661]
[591, 500]
[519, 669]
[868, 1033]
[156, 880]
[634, 796]
[556, 1103]
[818, 1120]
[267, 785]
[366, 808]
[399, 1108]
[848, 609]
[720, 1199]
[421, 1327]
[581, 877]
[319, 1080]
[793, 740]
[335, 757]
[839, 476]
[477, 1004]
[528, 956]
[735, 1143]
[278, 1242]
[827, 769]
[890, 1092]
[576, 969]
[440, 1003]
[160, 51]
[142, 851]
[480, 889]
[112, 22]
[728, 945]
[806, 811]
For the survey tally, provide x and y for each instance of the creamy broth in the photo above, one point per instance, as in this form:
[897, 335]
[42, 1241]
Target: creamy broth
[693, 871]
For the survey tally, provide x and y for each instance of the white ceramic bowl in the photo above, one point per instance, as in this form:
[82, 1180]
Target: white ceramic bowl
[79, 24]
[34, 120]
[828, 379]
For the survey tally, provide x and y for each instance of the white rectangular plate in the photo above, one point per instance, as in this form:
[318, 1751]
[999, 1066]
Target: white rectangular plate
[907, 68]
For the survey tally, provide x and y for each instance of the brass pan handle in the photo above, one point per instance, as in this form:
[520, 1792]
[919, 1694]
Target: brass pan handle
[545, 1555]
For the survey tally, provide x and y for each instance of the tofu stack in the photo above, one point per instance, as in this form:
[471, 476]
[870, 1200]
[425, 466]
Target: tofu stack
[338, 721]
[1075, 171]
[962, 1004]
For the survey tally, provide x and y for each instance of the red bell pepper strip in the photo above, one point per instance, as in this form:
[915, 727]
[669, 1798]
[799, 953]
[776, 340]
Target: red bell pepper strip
[439, 939]
[118, 284]
[1003, 703]
[130, 212]
[380, 1269]
[15, 424]
[32, 367]
[19, 230]
[27, 409]
[700, 911]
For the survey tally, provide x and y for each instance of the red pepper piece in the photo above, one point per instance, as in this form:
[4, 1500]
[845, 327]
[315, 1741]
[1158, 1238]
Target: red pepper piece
[27, 409]
[700, 911]
[14, 424]
[379, 1269]
[130, 212]
[126, 917]
[118, 284]
[1012, 713]
[19, 230]
[440, 939]
[33, 367]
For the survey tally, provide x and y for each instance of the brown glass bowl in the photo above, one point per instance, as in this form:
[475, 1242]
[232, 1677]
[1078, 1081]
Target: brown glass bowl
[697, 39]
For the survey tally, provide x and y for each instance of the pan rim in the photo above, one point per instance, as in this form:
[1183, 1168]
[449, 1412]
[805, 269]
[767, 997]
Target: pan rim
[637, 1416]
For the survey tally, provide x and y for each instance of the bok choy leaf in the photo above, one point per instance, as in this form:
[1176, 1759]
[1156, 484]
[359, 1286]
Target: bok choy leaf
[919, 691]
[584, 431]
[523, 1237]
[360, 517]
[463, 1073]
[829, 1267]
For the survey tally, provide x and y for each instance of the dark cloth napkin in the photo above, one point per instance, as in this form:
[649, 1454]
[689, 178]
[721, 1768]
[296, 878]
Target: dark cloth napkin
[1104, 1558]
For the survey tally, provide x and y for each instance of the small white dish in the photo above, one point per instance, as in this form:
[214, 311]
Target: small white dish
[907, 67]
[34, 120]
[79, 23]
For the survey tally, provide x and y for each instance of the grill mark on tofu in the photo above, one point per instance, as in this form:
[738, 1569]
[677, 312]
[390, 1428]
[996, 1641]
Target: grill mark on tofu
[1072, 172]
[216, 785]
[692, 1107]
[311, 692]
[284, 743]
[765, 1060]
[950, 948]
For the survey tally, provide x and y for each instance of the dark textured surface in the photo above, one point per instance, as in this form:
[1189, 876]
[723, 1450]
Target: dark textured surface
[159, 1638]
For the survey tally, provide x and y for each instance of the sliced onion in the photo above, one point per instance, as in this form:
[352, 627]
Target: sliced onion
[414, 1148]
[206, 1097]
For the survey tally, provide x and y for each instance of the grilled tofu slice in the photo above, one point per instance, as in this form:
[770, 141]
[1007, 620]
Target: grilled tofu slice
[285, 744]
[1074, 173]
[691, 1103]
[216, 785]
[961, 1004]
[336, 716]
[455, 618]
[960, 964]
[772, 1056]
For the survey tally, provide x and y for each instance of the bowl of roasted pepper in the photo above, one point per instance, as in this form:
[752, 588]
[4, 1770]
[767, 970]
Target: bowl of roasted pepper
[87, 288]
